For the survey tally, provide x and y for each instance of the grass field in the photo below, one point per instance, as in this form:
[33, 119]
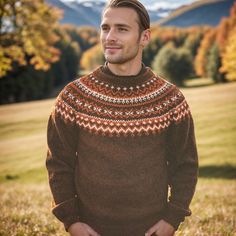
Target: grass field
[25, 197]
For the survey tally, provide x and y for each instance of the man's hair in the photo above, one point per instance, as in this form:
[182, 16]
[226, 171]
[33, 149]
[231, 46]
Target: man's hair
[144, 19]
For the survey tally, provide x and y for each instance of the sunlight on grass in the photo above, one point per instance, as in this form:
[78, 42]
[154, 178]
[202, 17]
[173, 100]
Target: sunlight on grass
[25, 210]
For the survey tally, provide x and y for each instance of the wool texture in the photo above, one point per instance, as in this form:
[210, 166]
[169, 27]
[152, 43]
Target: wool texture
[116, 146]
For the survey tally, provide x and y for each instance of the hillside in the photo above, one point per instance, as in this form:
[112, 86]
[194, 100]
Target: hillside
[199, 13]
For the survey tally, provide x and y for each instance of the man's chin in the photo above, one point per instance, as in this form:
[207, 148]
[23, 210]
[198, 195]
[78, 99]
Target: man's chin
[114, 60]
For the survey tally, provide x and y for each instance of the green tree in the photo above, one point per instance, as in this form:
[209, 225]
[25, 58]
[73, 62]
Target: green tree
[174, 64]
[151, 50]
[67, 67]
[30, 84]
[214, 64]
[192, 42]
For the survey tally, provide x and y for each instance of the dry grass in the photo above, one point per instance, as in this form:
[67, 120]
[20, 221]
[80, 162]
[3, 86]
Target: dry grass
[25, 210]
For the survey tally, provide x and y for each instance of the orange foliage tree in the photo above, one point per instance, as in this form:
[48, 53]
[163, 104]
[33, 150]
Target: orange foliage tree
[224, 29]
[201, 59]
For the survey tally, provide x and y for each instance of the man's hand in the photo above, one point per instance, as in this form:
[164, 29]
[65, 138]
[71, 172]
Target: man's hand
[161, 228]
[81, 229]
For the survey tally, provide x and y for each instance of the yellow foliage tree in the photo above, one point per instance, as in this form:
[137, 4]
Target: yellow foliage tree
[229, 57]
[92, 58]
[225, 27]
[27, 34]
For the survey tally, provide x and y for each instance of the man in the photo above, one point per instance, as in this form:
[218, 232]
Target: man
[119, 137]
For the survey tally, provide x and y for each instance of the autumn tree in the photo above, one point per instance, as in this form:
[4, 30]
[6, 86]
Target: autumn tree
[27, 35]
[201, 59]
[225, 27]
[92, 58]
[85, 36]
[226, 37]
[229, 57]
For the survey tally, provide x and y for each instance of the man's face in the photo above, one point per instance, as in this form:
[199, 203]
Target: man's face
[120, 35]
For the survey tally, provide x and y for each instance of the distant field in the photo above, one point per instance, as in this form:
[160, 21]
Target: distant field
[25, 197]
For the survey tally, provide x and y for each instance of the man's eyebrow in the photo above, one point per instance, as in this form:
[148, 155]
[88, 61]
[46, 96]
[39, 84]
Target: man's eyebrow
[116, 25]
[122, 25]
[103, 25]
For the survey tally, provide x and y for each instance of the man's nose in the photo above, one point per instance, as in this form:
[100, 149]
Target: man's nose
[111, 35]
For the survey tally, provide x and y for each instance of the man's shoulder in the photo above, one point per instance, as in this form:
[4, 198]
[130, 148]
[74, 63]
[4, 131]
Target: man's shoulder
[68, 100]
[165, 84]
[73, 87]
[77, 80]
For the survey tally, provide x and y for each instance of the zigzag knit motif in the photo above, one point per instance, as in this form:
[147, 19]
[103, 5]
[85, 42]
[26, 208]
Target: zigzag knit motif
[140, 106]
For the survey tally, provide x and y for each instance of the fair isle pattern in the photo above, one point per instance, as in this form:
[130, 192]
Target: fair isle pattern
[105, 109]
[118, 100]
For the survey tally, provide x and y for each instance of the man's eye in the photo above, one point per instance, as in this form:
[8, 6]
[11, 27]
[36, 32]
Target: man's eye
[105, 29]
[122, 29]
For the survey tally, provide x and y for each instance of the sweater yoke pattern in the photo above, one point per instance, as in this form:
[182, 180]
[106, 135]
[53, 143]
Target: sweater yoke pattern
[127, 107]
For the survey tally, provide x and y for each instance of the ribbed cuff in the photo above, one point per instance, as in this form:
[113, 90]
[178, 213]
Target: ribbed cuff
[67, 212]
[174, 215]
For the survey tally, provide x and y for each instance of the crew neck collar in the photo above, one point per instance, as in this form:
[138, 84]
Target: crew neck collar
[105, 74]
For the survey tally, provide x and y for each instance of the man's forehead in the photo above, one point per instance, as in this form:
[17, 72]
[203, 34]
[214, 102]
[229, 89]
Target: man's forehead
[122, 12]
[121, 15]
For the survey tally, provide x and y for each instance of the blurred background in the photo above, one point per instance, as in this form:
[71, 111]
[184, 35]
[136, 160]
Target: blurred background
[45, 44]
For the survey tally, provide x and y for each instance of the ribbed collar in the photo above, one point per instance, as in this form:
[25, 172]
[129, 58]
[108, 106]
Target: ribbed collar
[103, 73]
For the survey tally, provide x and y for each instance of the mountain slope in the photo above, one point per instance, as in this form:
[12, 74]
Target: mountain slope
[202, 12]
[199, 13]
[88, 12]
[76, 13]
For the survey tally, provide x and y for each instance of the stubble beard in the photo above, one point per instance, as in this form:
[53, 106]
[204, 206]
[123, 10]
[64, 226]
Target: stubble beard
[121, 59]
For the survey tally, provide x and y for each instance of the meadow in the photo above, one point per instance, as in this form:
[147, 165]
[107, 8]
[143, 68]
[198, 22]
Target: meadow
[25, 198]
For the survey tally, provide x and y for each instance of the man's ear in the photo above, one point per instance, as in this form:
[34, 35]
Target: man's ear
[145, 37]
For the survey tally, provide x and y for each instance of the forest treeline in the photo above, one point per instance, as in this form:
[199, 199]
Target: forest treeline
[38, 55]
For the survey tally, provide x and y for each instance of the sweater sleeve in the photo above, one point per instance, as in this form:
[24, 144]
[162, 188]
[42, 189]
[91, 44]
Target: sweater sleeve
[60, 163]
[182, 169]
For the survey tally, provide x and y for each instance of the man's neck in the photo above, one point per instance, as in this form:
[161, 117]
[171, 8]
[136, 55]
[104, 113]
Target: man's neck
[125, 69]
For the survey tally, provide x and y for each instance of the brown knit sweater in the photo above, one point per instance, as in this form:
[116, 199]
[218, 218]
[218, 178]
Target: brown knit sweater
[115, 145]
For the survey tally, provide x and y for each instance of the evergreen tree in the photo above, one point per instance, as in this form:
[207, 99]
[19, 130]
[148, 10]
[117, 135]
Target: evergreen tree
[174, 64]
[214, 64]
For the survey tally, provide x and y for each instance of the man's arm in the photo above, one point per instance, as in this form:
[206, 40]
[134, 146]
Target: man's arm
[182, 176]
[182, 170]
[60, 163]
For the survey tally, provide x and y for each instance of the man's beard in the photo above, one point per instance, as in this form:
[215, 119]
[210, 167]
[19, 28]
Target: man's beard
[122, 58]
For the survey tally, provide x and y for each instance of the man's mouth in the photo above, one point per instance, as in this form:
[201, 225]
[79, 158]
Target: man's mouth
[112, 47]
